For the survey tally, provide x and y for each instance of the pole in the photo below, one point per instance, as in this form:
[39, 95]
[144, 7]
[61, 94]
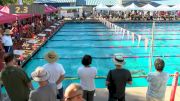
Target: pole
[174, 86]
[152, 47]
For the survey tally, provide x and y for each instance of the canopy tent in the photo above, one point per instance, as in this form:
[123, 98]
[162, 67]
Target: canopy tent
[102, 7]
[175, 7]
[53, 8]
[163, 8]
[6, 18]
[148, 7]
[20, 16]
[1, 7]
[132, 7]
[118, 7]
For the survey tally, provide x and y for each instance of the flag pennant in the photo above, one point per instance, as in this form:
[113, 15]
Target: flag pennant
[146, 43]
[132, 38]
[139, 40]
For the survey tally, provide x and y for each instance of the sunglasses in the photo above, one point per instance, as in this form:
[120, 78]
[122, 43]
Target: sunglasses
[72, 97]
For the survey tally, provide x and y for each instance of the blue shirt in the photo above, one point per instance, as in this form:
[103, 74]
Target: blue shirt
[157, 84]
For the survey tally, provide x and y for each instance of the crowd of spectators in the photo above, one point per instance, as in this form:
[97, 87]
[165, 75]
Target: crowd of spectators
[138, 15]
[51, 75]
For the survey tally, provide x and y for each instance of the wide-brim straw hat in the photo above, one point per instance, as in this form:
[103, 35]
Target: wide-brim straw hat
[40, 74]
[118, 59]
[7, 32]
[51, 57]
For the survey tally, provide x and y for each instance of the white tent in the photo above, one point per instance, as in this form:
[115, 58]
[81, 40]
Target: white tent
[118, 7]
[102, 7]
[175, 7]
[148, 7]
[132, 7]
[163, 8]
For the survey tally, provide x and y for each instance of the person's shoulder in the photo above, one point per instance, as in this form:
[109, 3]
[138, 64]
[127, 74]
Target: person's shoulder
[34, 92]
[81, 68]
[125, 70]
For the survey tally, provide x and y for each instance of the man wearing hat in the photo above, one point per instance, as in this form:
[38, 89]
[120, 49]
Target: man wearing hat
[7, 41]
[56, 72]
[46, 91]
[117, 79]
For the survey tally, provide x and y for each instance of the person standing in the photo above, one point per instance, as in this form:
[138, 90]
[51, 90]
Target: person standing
[56, 72]
[7, 41]
[15, 80]
[87, 75]
[73, 92]
[46, 91]
[157, 82]
[117, 79]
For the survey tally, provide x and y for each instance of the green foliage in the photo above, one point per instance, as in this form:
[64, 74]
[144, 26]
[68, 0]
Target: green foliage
[8, 2]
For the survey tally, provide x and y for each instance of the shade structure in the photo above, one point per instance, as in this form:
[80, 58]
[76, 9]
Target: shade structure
[6, 18]
[117, 8]
[175, 7]
[53, 8]
[102, 7]
[19, 16]
[132, 7]
[163, 8]
[148, 7]
[1, 7]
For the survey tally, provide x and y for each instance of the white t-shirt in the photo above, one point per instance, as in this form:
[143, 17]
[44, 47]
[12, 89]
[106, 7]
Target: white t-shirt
[7, 40]
[87, 75]
[55, 70]
[157, 84]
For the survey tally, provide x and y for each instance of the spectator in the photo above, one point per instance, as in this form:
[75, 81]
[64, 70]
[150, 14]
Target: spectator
[117, 79]
[15, 80]
[46, 90]
[56, 72]
[157, 82]
[7, 42]
[73, 92]
[87, 75]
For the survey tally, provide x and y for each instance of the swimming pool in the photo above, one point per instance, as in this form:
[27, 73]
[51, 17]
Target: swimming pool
[74, 40]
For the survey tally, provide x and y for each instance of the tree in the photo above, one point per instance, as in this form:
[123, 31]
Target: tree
[7, 2]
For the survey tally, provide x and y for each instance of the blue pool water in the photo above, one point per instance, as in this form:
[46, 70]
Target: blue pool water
[75, 40]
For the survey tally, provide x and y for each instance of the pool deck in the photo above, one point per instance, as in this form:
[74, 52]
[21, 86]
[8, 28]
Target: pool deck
[135, 94]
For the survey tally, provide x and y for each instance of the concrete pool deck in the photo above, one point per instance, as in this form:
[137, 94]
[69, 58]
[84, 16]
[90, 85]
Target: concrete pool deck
[135, 94]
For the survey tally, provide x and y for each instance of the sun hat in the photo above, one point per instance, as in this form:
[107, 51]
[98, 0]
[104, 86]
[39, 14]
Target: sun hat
[51, 57]
[7, 32]
[40, 74]
[118, 59]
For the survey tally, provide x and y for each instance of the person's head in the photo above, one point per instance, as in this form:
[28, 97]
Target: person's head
[159, 64]
[73, 92]
[86, 60]
[7, 32]
[9, 58]
[118, 60]
[40, 75]
[51, 57]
